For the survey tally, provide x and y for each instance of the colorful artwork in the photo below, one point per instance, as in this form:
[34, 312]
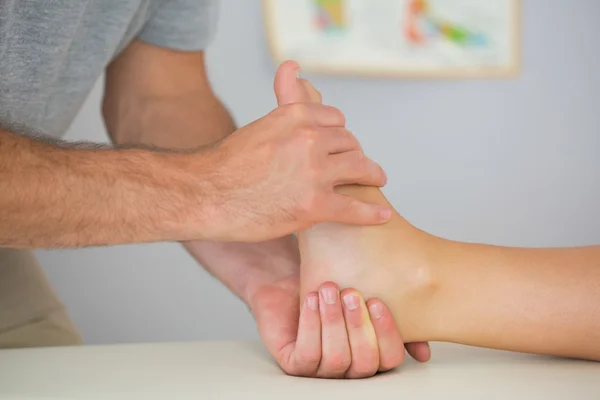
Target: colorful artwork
[434, 38]
[330, 15]
[422, 25]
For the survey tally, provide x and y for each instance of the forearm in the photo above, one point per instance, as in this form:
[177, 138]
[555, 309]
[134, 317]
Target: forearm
[531, 300]
[56, 196]
[192, 120]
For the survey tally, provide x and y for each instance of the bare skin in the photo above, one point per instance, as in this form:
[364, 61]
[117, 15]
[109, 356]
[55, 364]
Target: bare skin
[390, 263]
[322, 251]
[544, 301]
[164, 98]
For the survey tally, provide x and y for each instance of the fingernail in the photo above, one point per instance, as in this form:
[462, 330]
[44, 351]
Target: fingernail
[298, 73]
[351, 301]
[376, 310]
[386, 214]
[385, 177]
[312, 301]
[329, 294]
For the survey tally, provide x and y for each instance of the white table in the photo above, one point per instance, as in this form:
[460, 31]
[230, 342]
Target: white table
[234, 370]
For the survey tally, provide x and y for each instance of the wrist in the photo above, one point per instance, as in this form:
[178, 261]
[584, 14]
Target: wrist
[280, 264]
[195, 198]
[247, 268]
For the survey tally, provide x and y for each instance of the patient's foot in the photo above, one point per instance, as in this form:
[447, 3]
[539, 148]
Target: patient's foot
[391, 262]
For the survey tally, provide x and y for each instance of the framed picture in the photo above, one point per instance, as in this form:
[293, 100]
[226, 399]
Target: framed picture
[397, 38]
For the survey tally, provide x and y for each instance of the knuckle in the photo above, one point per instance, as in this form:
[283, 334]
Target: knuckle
[298, 111]
[368, 167]
[347, 207]
[338, 113]
[368, 361]
[282, 113]
[391, 362]
[306, 204]
[309, 359]
[355, 322]
[366, 364]
[337, 363]
[308, 137]
[332, 317]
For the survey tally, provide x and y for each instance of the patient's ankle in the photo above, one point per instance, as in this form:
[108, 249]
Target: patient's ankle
[393, 261]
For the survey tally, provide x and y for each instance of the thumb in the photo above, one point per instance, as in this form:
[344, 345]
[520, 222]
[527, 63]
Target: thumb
[286, 83]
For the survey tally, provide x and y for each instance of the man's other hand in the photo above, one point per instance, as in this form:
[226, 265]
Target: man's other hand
[291, 331]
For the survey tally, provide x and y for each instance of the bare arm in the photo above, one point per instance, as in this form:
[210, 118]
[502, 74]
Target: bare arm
[64, 195]
[531, 300]
[161, 97]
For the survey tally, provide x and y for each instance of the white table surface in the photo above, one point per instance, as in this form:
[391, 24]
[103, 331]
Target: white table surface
[243, 370]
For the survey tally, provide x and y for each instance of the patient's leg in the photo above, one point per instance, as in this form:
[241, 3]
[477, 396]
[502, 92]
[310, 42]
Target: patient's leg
[387, 261]
[532, 300]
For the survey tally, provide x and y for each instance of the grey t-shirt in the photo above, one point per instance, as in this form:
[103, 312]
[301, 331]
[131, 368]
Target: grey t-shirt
[53, 51]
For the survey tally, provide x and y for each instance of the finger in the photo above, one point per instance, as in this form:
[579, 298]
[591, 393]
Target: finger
[338, 140]
[420, 351]
[307, 354]
[323, 115]
[361, 335]
[289, 88]
[307, 114]
[354, 168]
[311, 94]
[335, 353]
[347, 210]
[285, 84]
[391, 348]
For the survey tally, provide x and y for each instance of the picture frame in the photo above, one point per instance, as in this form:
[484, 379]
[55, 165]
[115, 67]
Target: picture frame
[397, 38]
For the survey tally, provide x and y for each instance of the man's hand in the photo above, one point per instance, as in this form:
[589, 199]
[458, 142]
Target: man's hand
[277, 175]
[293, 333]
[266, 276]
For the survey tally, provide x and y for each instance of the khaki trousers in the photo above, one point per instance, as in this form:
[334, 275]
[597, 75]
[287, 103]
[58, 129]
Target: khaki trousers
[31, 314]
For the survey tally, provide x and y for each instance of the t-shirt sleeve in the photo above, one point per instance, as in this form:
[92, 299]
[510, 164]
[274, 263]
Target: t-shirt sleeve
[187, 25]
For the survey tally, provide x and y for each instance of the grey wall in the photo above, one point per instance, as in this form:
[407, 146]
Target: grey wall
[506, 162]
